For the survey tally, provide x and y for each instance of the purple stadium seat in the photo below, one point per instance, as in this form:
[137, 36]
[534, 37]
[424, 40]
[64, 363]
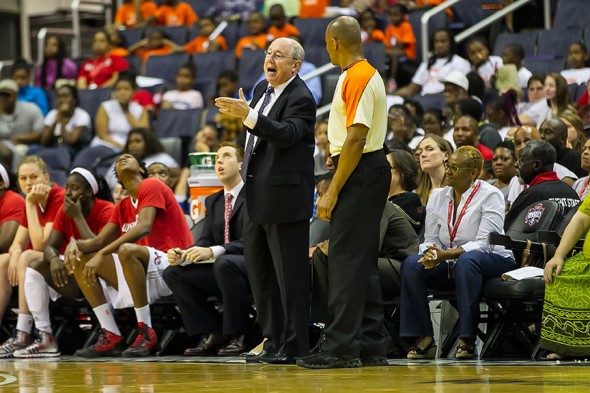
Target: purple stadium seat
[556, 42]
[250, 68]
[176, 34]
[572, 13]
[210, 65]
[527, 39]
[165, 67]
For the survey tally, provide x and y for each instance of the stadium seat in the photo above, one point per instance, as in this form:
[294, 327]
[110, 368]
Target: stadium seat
[209, 65]
[313, 30]
[572, 13]
[329, 83]
[318, 56]
[208, 89]
[90, 100]
[250, 68]
[176, 34]
[202, 7]
[134, 64]
[231, 33]
[178, 123]
[375, 54]
[165, 67]
[468, 13]
[173, 146]
[130, 36]
[98, 158]
[527, 39]
[438, 21]
[556, 42]
[544, 66]
[58, 163]
[429, 101]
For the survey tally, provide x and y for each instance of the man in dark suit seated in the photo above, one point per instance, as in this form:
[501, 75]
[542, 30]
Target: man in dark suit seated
[193, 279]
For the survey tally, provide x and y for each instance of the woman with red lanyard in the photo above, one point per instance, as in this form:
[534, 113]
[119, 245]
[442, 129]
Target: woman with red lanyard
[455, 254]
[581, 185]
[102, 70]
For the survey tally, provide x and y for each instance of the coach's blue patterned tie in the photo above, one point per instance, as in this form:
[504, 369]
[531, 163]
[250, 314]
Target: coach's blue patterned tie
[250, 144]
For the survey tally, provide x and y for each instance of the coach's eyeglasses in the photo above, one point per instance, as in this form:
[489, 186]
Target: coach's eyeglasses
[277, 56]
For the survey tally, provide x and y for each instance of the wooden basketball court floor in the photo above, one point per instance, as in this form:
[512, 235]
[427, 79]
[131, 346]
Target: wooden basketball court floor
[178, 374]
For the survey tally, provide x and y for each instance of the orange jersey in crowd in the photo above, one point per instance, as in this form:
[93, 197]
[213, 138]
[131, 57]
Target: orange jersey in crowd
[251, 42]
[126, 13]
[376, 36]
[313, 8]
[200, 44]
[285, 31]
[181, 14]
[402, 33]
[144, 53]
[121, 52]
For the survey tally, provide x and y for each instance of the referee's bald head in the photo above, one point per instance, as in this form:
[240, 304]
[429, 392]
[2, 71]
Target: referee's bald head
[346, 30]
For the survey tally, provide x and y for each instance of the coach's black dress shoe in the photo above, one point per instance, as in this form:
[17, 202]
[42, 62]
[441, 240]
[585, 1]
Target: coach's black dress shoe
[256, 358]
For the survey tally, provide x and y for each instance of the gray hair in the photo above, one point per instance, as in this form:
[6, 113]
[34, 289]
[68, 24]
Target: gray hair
[298, 52]
[540, 150]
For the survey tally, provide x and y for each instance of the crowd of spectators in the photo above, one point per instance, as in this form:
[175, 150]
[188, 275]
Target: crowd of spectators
[463, 109]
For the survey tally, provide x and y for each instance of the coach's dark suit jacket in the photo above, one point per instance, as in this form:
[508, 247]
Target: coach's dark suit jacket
[279, 200]
[213, 230]
[280, 180]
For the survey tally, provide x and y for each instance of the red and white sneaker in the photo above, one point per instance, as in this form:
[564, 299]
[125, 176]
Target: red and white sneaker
[43, 347]
[145, 344]
[108, 344]
[20, 341]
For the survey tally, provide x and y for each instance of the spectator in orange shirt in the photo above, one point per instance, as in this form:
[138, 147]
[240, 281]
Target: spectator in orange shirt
[202, 43]
[257, 38]
[400, 42]
[128, 16]
[279, 27]
[117, 48]
[155, 45]
[369, 30]
[313, 8]
[173, 13]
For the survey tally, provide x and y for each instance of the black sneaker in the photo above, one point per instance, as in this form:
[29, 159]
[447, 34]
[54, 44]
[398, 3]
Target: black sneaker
[374, 361]
[324, 359]
[145, 344]
[108, 344]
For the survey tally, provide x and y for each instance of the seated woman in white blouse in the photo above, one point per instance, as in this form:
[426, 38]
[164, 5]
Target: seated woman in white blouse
[116, 117]
[444, 59]
[455, 254]
[67, 125]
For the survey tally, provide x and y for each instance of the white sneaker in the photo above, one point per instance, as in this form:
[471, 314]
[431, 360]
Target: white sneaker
[19, 341]
[43, 347]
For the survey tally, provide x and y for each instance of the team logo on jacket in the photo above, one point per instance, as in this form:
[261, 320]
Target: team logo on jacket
[158, 258]
[534, 214]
